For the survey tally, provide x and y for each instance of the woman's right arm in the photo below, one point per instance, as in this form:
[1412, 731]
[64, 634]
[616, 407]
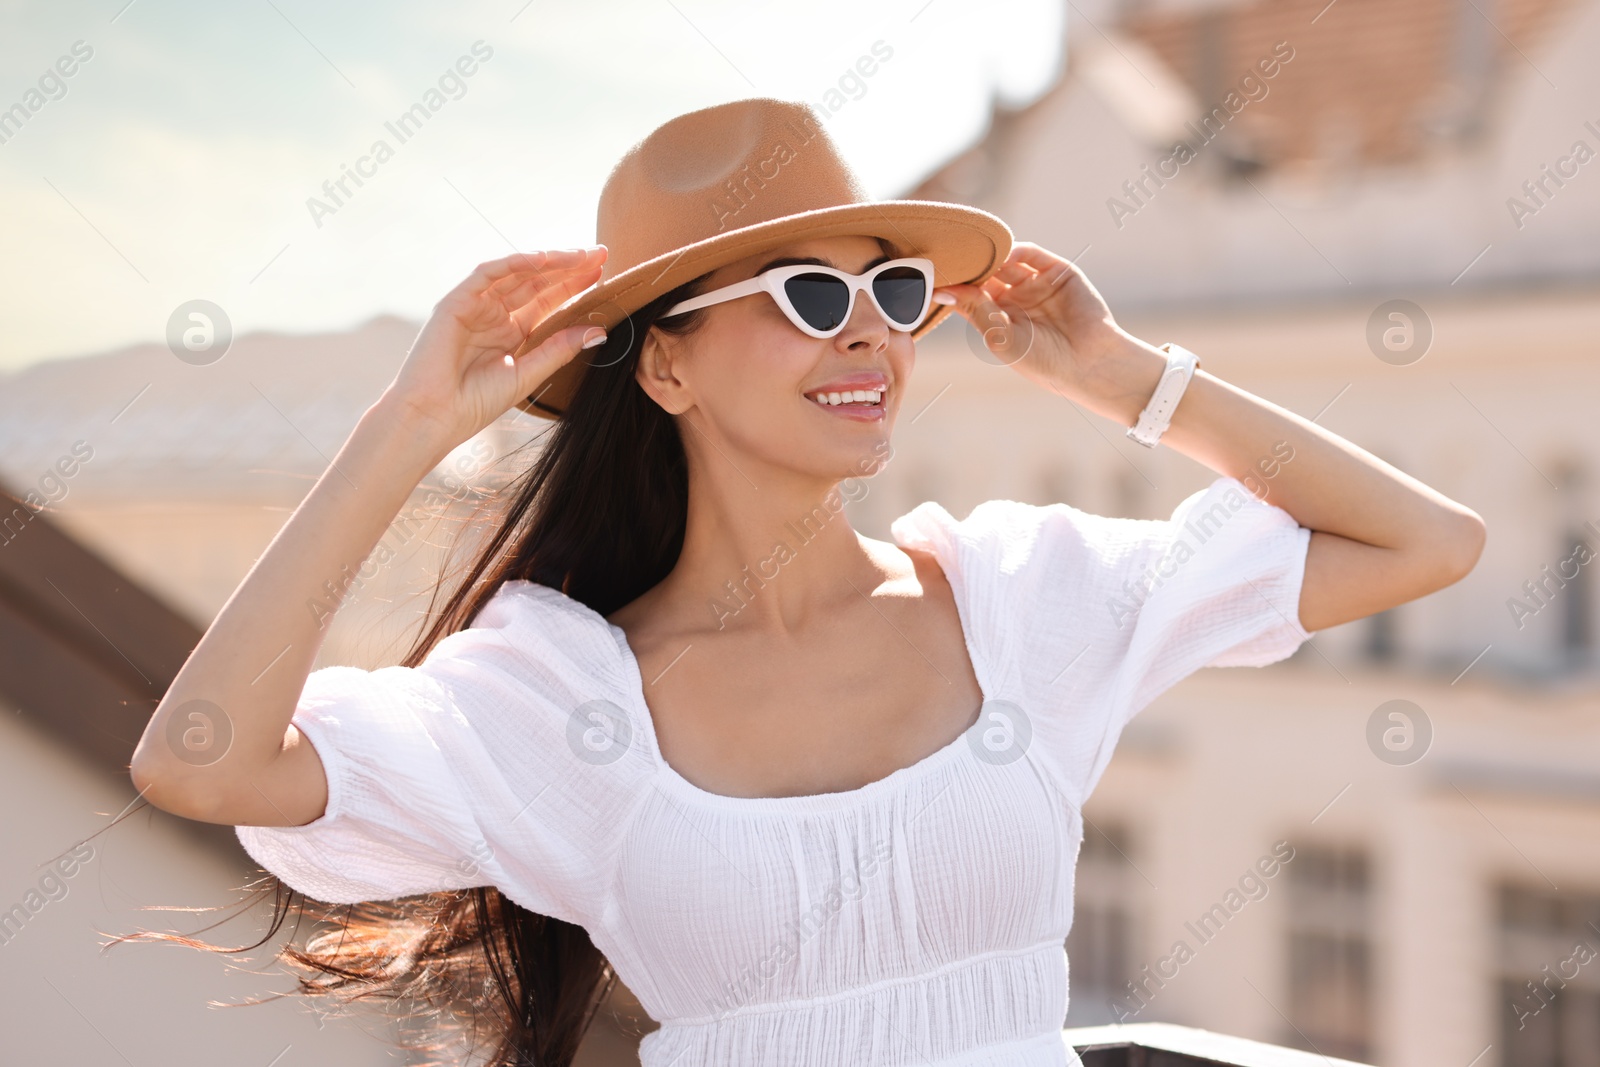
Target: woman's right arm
[249, 668]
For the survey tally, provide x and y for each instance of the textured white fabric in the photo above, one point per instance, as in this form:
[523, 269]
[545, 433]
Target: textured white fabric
[917, 920]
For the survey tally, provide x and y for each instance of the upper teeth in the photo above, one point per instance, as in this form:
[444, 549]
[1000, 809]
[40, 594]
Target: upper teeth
[867, 396]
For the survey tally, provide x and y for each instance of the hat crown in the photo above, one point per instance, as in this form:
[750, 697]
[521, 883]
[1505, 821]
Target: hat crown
[718, 169]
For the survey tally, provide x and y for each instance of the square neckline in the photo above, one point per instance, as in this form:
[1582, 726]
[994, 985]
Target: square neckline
[812, 801]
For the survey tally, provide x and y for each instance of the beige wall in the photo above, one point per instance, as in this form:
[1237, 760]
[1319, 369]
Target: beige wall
[67, 1002]
[1231, 760]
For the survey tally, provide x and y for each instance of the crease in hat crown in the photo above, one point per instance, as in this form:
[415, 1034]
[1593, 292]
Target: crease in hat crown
[714, 186]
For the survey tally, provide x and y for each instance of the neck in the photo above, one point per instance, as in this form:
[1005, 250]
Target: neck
[766, 547]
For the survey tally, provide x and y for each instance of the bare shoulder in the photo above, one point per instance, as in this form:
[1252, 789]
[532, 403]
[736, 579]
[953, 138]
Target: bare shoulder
[909, 572]
[631, 614]
[647, 620]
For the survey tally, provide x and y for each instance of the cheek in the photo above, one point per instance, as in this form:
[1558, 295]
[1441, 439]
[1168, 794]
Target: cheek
[749, 370]
[902, 359]
[902, 356]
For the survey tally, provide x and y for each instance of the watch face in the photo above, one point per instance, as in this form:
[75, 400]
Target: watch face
[1178, 352]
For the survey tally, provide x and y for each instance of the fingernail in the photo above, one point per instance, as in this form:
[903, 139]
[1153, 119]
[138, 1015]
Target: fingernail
[944, 298]
[594, 337]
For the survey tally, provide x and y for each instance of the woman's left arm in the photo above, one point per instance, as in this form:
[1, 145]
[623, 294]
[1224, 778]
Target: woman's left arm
[1379, 537]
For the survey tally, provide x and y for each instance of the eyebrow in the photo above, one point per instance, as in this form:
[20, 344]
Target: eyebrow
[787, 261]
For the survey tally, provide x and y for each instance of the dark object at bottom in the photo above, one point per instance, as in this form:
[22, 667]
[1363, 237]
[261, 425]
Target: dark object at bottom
[1165, 1045]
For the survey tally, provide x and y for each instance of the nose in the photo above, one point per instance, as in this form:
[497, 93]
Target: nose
[866, 330]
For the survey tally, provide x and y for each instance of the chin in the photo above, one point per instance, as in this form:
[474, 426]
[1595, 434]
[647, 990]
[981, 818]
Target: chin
[832, 448]
[862, 456]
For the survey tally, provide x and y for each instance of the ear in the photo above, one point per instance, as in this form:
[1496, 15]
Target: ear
[656, 372]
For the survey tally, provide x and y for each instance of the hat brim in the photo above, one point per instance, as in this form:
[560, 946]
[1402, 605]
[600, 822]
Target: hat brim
[966, 246]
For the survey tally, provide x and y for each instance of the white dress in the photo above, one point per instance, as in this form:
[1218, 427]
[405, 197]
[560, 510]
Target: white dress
[918, 920]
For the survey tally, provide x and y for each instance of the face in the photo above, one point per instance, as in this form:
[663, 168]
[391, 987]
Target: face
[747, 378]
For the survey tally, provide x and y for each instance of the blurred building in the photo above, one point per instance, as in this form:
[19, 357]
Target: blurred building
[1384, 218]
[160, 483]
[1382, 221]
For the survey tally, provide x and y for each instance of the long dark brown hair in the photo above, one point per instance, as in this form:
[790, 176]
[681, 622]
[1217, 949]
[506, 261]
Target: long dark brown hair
[599, 515]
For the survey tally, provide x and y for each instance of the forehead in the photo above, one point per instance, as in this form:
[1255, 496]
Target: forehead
[851, 252]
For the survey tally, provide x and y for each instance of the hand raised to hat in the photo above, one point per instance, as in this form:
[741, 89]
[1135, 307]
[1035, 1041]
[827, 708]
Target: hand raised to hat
[459, 375]
[1039, 314]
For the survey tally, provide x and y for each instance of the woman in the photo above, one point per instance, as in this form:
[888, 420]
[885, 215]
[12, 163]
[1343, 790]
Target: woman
[815, 796]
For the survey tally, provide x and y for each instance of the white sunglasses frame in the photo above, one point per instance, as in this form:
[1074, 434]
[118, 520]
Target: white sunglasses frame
[772, 282]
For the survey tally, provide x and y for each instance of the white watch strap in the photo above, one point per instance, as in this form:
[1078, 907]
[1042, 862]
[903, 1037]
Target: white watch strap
[1157, 414]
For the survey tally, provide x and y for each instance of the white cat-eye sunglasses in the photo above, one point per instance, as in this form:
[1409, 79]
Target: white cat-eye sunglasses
[818, 299]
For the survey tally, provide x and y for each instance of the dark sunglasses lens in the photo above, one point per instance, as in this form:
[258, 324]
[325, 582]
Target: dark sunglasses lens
[822, 300]
[901, 291]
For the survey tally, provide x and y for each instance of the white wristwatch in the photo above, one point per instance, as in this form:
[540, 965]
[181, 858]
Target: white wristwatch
[1157, 414]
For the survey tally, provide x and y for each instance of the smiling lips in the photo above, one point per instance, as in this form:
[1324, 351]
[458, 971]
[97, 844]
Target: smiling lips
[849, 396]
[858, 396]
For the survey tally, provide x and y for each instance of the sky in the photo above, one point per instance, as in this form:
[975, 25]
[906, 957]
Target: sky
[176, 161]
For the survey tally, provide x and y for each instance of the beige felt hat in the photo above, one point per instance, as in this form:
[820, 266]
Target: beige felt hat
[716, 185]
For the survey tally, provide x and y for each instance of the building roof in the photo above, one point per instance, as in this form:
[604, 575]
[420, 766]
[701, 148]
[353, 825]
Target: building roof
[1432, 75]
[85, 653]
[1385, 157]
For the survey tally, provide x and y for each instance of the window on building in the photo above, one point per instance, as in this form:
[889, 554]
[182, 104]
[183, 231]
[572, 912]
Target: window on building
[1330, 952]
[1577, 604]
[1383, 644]
[1549, 977]
[1100, 946]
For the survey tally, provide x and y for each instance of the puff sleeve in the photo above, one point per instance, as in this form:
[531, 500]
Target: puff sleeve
[1089, 618]
[478, 767]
